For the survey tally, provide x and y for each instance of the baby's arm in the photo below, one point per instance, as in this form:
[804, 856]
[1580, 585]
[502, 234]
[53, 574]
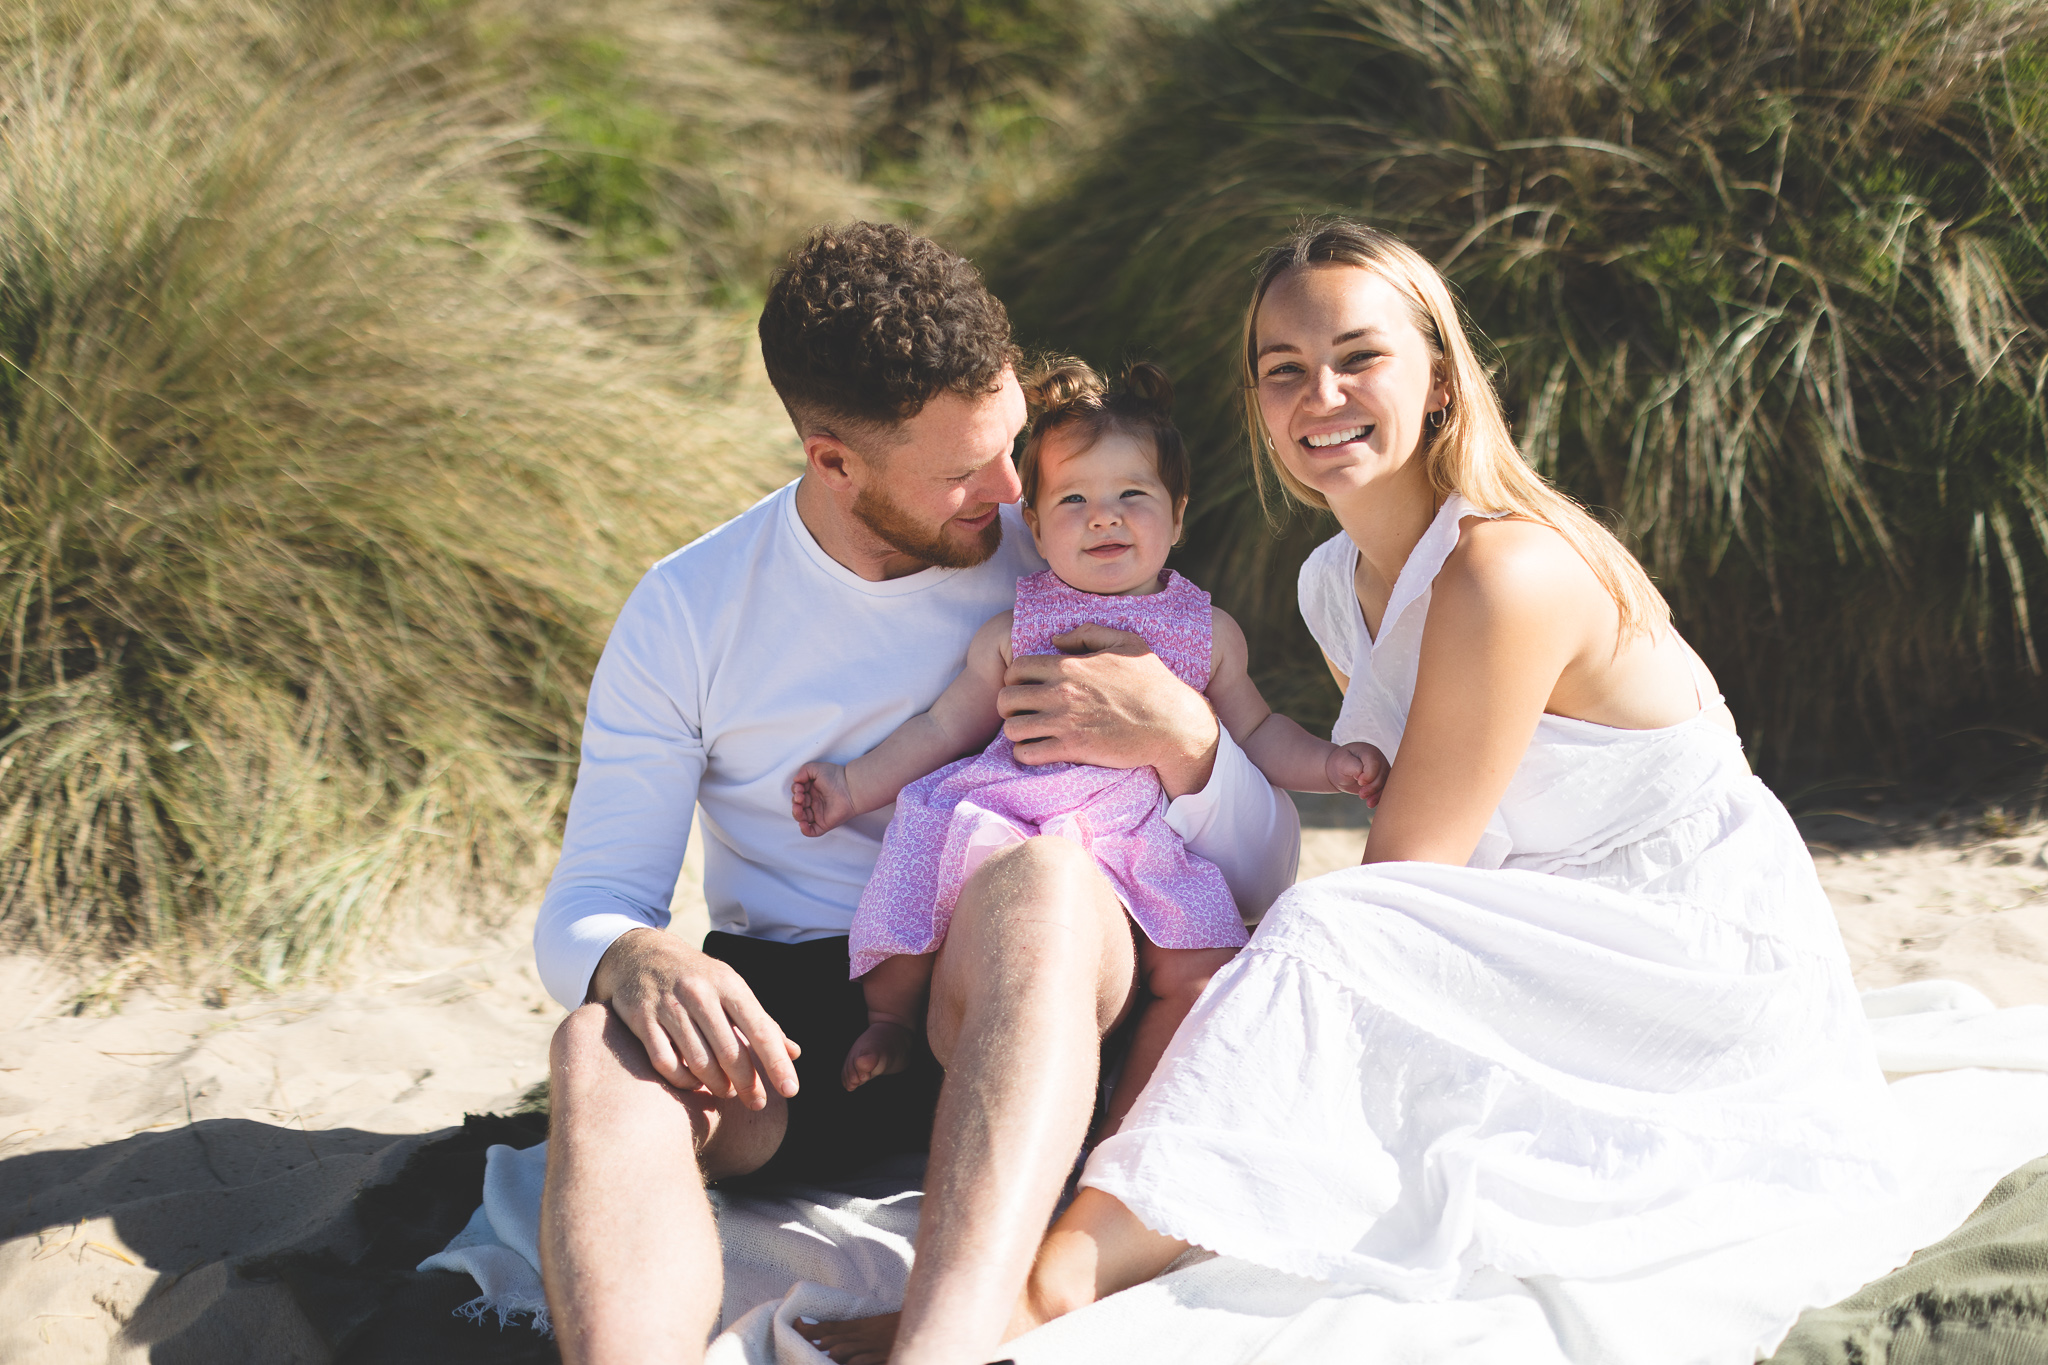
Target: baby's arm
[826, 795]
[1288, 755]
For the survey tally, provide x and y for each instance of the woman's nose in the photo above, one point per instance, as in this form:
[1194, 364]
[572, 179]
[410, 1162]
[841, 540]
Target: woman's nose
[1325, 393]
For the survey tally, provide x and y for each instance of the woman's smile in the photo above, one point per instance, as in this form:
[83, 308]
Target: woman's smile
[1345, 380]
[1346, 436]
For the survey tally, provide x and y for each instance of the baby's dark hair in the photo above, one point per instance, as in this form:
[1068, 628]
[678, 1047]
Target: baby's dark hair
[1067, 393]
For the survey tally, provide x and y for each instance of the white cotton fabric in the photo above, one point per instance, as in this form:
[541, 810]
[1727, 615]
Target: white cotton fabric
[826, 1254]
[743, 656]
[1624, 1034]
[1940, 1025]
[499, 1247]
[851, 1245]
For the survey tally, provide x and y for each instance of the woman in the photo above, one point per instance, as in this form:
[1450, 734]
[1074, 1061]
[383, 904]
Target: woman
[1584, 1008]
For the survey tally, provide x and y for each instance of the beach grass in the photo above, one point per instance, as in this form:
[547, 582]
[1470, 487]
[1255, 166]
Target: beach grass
[317, 491]
[356, 356]
[1764, 283]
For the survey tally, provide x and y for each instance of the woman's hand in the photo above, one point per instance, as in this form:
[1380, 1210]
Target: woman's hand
[1108, 700]
[696, 1016]
[820, 798]
[1358, 769]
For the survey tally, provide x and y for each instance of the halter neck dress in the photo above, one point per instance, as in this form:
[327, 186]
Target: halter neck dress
[1625, 1032]
[948, 822]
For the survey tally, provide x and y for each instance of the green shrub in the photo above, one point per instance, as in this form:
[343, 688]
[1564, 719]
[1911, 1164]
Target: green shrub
[684, 149]
[315, 498]
[1765, 282]
[919, 56]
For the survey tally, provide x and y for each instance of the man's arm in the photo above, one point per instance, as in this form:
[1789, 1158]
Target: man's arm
[601, 933]
[1243, 824]
[1119, 706]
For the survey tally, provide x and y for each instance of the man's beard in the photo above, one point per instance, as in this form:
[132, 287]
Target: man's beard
[895, 528]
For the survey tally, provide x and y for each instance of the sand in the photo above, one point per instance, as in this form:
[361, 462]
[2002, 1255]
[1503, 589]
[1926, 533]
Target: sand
[150, 1143]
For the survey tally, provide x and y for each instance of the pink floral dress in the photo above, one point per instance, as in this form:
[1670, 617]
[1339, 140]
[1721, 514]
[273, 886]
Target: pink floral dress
[947, 823]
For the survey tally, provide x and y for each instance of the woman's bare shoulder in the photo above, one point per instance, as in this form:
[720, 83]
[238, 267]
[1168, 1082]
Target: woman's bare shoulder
[1517, 565]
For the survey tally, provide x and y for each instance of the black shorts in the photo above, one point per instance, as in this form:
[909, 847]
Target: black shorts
[832, 1132]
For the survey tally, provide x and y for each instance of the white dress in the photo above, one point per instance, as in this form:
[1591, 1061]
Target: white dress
[1624, 1033]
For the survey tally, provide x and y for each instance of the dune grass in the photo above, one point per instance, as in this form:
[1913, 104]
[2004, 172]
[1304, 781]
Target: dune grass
[316, 496]
[1766, 284]
[355, 357]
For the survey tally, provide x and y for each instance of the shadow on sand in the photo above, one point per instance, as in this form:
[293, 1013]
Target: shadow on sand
[226, 1241]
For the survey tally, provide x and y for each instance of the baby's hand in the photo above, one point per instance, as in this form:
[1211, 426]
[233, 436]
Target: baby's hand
[1359, 769]
[882, 1049]
[819, 799]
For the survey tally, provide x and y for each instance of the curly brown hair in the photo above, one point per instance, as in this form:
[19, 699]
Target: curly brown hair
[868, 322]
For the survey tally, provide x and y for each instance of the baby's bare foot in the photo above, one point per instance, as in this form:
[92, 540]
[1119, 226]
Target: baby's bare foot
[857, 1341]
[882, 1049]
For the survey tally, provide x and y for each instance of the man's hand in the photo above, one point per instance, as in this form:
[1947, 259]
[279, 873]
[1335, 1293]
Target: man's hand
[820, 798]
[1106, 699]
[698, 1020]
[1359, 769]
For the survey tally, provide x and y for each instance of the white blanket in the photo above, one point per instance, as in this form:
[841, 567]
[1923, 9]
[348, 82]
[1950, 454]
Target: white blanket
[832, 1254]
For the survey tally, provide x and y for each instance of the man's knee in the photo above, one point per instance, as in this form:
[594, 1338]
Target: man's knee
[600, 1079]
[1043, 855]
[1036, 906]
[582, 1040]
[1047, 878]
[1037, 915]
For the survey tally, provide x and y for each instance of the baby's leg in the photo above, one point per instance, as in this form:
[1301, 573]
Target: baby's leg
[895, 992]
[1174, 977]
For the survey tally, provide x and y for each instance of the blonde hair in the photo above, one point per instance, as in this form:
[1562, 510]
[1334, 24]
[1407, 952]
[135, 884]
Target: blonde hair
[1472, 451]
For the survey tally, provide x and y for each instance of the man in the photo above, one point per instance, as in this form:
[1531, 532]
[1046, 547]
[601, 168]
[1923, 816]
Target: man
[810, 627]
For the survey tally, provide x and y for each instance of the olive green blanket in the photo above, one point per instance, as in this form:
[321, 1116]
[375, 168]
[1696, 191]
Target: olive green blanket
[1977, 1297]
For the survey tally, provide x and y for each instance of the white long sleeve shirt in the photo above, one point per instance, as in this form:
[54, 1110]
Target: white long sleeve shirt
[750, 652]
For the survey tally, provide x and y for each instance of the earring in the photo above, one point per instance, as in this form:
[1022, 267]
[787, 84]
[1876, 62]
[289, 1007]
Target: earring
[1437, 419]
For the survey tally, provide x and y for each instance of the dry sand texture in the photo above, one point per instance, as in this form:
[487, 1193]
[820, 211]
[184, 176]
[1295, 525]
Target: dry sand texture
[145, 1151]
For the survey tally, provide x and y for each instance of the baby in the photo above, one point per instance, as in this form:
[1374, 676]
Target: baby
[1105, 480]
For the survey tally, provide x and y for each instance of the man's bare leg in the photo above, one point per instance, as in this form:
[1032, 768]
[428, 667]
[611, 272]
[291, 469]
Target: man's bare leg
[629, 1250]
[1037, 966]
[1097, 1248]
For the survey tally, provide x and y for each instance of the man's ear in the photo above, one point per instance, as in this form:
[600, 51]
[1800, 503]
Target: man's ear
[836, 464]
